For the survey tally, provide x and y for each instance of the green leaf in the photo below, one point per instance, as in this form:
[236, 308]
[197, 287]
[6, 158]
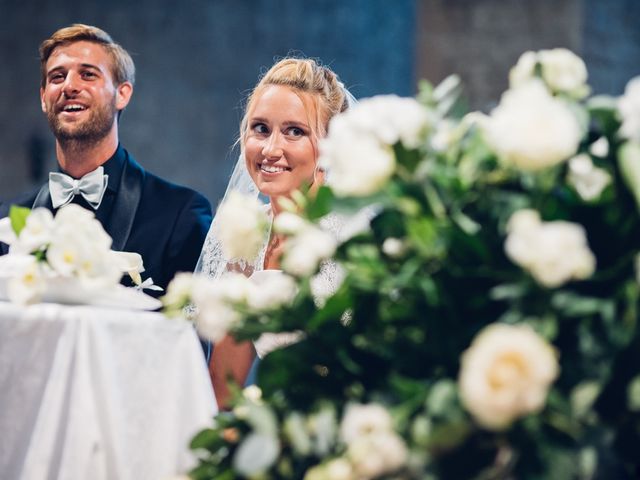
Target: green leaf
[583, 396]
[633, 394]
[321, 204]
[205, 439]
[629, 163]
[424, 234]
[18, 216]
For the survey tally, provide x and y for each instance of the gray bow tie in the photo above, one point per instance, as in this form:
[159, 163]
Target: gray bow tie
[92, 187]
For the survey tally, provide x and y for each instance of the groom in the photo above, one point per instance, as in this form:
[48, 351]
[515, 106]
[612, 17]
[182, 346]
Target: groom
[87, 81]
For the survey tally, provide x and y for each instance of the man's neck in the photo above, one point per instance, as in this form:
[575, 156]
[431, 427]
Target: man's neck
[77, 158]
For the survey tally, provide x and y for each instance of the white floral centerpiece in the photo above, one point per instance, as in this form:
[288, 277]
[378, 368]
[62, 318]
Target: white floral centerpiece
[66, 258]
[487, 323]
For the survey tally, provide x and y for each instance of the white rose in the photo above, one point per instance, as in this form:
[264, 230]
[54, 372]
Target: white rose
[358, 165]
[340, 469]
[506, 374]
[600, 148]
[588, 180]
[357, 152]
[289, 223]
[388, 118]
[362, 420]
[376, 454]
[215, 302]
[523, 70]
[564, 71]
[271, 289]
[629, 108]
[242, 225]
[179, 290]
[552, 252]
[532, 130]
[304, 251]
[36, 233]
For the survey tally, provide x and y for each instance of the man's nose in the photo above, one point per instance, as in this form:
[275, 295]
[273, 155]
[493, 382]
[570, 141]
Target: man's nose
[71, 85]
[273, 146]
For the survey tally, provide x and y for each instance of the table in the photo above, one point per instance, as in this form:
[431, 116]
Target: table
[98, 393]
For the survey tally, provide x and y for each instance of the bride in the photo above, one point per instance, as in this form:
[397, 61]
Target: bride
[286, 114]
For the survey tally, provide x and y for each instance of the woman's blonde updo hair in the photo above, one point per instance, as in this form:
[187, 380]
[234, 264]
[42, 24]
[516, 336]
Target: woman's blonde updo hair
[303, 75]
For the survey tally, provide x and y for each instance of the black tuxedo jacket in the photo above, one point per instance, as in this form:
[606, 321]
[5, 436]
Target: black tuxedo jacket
[163, 222]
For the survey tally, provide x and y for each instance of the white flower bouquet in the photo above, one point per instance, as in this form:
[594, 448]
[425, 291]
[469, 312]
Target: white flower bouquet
[490, 310]
[66, 258]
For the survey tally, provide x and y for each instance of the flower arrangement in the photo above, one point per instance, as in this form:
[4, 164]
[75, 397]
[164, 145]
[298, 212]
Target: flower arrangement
[486, 325]
[69, 251]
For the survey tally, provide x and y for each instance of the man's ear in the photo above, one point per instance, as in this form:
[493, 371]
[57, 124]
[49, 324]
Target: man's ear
[43, 105]
[123, 95]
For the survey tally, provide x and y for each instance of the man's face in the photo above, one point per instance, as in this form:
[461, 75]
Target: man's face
[80, 98]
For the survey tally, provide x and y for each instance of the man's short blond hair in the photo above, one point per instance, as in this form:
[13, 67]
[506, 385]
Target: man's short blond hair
[123, 69]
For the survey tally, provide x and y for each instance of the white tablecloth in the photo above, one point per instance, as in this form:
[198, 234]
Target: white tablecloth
[99, 394]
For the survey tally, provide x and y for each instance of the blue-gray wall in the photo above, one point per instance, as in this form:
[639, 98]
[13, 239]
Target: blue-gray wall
[612, 43]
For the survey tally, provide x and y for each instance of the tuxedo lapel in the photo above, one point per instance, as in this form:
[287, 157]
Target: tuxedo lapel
[126, 204]
[43, 198]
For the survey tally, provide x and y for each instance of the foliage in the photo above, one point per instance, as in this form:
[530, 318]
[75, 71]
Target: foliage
[422, 284]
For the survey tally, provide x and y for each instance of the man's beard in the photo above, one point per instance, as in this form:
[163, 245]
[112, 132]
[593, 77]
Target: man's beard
[91, 130]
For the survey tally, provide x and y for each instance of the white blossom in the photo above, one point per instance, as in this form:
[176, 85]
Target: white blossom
[37, 232]
[532, 130]
[600, 148]
[179, 290]
[505, 374]
[216, 300]
[131, 263]
[394, 247]
[357, 152]
[552, 252]
[362, 420]
[588, 180]
[271, 289]
[358, 165]
[28, 281]
[305, 250]
[629, 109]
[376, 454]
[242, 225]
[562, 71]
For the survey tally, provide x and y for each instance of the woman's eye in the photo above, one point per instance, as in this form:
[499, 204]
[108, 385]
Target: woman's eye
[260, 128]
[296, 132]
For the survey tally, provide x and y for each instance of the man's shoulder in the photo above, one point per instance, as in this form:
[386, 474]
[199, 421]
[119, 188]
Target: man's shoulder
[24, 199]
[172, 191]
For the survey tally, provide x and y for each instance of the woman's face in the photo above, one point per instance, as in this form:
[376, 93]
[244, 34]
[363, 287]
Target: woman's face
[279, 147]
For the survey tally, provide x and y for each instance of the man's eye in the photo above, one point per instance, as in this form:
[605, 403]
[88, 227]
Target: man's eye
[88, 74]
[57, 78]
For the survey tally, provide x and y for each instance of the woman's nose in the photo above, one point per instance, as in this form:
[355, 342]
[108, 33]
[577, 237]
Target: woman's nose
[273, 146]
